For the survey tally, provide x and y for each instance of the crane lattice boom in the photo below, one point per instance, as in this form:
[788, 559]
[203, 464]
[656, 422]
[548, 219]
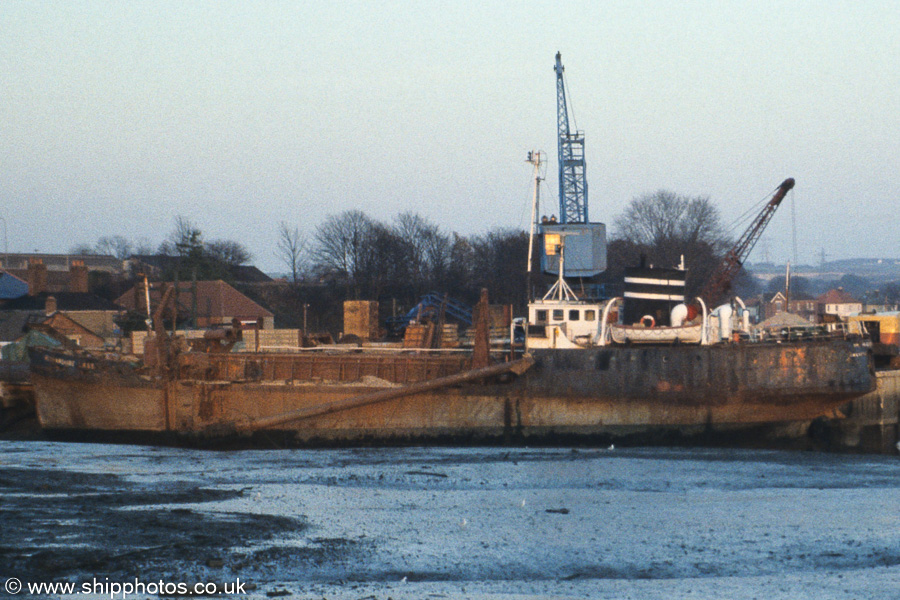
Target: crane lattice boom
[720, 282]
[570, 147]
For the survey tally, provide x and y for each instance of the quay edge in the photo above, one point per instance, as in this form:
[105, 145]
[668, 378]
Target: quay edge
[872, 423]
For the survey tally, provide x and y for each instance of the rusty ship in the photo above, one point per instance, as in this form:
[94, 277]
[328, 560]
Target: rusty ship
[530, 392]
[650, 366]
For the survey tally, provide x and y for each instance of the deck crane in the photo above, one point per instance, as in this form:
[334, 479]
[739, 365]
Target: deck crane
[719, 283]
[573, 207]
[585, 247]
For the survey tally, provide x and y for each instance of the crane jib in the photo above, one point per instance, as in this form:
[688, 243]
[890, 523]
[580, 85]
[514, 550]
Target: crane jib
[720, 281]
[573, 206]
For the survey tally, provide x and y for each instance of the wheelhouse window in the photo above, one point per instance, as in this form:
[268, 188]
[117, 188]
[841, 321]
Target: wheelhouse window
[541, 316]
[590, 315]
[558, 314]
[574, 315]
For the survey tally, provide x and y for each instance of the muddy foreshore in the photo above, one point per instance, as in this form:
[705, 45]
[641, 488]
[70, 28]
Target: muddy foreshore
[455, 522]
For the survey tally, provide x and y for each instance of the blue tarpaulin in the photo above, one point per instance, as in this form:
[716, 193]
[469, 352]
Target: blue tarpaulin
[18, 350]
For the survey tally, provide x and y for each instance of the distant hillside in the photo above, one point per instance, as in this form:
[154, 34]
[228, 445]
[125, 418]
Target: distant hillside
[876, 269]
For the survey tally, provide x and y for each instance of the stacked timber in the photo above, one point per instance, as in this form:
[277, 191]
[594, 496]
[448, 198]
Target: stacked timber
[361, 319]
[422, 335]
[450, 335]
[418, 335]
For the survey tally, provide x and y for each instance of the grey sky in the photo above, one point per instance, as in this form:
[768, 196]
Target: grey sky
[118, 116]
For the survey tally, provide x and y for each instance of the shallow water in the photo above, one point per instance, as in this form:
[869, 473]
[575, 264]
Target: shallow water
[455, 522]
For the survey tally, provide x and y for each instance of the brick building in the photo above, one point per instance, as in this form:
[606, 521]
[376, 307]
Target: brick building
[210, 303]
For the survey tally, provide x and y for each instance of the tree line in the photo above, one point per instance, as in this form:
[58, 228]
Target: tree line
[352, 255]
[363, 258]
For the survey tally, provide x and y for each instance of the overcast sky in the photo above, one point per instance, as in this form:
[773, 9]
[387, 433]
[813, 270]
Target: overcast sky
[118, 116]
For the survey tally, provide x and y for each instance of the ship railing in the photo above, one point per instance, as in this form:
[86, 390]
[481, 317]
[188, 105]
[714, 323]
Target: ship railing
[346, 348]
[820, 332]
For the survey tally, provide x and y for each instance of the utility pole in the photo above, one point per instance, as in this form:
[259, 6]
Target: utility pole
[305, 307]
[794, 225]
[787, 288]
[5, 245]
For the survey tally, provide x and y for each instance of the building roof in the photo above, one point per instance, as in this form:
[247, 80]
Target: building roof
[214, 299]
[62, 262]
[161, 262]
[836, 296]
[57, 281]
[11, 286]
[65, 301]
[14, 323]
[249, 274]
[65, 324]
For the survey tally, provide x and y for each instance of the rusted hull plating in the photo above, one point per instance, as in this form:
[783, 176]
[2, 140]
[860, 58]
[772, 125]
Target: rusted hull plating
[599, 392]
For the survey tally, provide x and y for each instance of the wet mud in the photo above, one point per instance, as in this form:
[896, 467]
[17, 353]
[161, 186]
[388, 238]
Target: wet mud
[59, 524]
[479, 523]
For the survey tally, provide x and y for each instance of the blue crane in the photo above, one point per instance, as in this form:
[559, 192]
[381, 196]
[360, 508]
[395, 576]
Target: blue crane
[585, 248]
[573, 207]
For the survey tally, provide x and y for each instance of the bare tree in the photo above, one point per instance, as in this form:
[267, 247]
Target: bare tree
[427, 250]
[229, 252]
[499, 258]
[143, 247]
[184, 240]
[664, 216]
[115, 245]
[412, 256]
[290, 249]
[81, 248]
[341, 243]
[410, 227]
[461, 269]
[383, 262]
[438, 247]
[664, 226]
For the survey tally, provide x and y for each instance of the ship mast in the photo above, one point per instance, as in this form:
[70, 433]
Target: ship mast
[536, 158]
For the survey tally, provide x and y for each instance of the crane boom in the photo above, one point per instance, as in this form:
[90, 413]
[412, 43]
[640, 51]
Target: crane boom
[570, 148]
[718, 285]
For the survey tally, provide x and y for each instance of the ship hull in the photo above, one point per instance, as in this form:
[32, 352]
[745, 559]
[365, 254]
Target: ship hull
[636, 393]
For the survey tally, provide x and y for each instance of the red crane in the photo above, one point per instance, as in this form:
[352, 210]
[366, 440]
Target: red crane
[719, 283]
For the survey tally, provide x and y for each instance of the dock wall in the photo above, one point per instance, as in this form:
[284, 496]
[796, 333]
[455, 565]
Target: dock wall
[872, 423]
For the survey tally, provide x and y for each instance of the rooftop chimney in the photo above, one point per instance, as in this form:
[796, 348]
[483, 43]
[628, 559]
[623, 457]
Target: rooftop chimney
[37, 276]
[50, 306]
[78, 277]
